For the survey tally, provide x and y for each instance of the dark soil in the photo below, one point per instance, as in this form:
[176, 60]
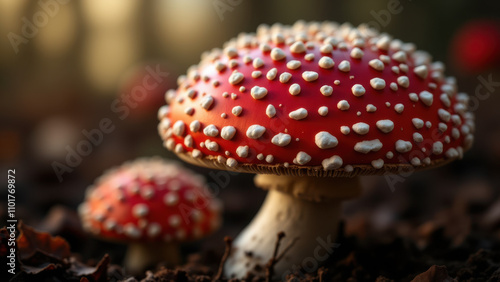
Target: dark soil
[417, 232]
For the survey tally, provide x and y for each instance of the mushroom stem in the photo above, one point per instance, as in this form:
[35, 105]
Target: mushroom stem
[140, 256]
[307, 209]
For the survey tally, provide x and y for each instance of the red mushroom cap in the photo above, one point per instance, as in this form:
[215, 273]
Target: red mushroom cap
[475, 46]
[150, 200]
[145, 89]
[317, 99]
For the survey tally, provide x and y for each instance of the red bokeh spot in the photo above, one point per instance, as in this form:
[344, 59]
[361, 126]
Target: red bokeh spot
[475, 46]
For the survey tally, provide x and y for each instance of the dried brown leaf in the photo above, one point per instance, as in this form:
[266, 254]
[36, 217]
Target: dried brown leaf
[92, 273]
[31, 241]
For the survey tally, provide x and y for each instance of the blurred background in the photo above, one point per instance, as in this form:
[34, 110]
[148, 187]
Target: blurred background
[67, 65]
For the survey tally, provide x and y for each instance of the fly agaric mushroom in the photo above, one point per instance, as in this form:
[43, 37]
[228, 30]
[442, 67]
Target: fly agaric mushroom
[152, 205]
[474, 47]
[300, 104]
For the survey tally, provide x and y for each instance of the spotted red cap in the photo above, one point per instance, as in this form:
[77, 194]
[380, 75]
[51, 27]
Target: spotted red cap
[150, 200]
[317, 99]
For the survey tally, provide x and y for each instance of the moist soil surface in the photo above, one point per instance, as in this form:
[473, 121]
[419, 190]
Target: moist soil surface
[434, 226]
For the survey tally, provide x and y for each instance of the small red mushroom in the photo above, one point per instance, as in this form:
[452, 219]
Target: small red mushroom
[298, 104]
[475, 46]
[141, 90]
[153, 205]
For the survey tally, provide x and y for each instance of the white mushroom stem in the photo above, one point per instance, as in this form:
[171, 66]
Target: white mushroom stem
[307, 209]
[140, 256]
